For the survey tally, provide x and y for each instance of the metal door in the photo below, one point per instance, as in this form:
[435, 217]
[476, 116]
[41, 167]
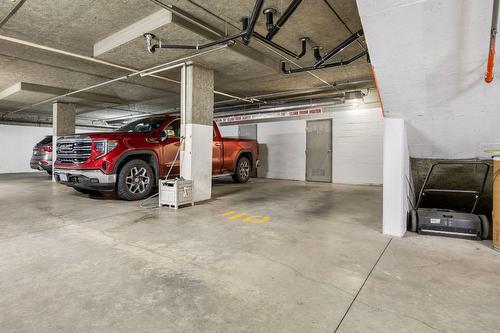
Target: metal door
[248, 132]
[319, 150]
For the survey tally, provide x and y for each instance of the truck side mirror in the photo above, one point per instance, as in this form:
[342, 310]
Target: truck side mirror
[167, 134]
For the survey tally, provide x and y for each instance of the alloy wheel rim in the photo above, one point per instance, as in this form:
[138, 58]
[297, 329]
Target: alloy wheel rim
[137, 180]
[244, 169]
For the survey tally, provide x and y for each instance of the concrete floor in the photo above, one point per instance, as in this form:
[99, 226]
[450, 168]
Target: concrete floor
[72, 263]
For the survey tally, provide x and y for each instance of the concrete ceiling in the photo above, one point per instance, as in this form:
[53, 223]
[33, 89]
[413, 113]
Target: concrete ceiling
[76, 26]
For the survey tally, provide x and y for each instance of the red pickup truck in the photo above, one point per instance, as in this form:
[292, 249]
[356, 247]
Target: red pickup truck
[132, 159]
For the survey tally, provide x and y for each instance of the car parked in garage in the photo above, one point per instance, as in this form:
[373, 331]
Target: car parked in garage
[132, 159]
[41, 159]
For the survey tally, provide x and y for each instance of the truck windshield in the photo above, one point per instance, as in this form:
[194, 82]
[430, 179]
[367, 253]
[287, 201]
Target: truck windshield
[147, 125]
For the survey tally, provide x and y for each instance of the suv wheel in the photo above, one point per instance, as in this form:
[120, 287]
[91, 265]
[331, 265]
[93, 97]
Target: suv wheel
[135, 180]
[243, 169]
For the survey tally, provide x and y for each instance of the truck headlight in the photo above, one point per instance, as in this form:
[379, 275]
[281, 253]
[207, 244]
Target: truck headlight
[104, 147]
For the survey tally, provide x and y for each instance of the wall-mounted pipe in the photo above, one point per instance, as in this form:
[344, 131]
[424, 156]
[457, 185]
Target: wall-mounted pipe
[494, 29]
[364, 82]
[335, 64]
[282, 20]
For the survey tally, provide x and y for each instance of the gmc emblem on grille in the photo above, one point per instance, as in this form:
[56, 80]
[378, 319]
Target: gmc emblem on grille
[68, 146]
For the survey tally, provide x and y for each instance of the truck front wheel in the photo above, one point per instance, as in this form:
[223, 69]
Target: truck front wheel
[135, 180]
[243, 169]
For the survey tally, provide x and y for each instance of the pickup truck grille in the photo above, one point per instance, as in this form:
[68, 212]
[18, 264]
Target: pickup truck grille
[73, 150]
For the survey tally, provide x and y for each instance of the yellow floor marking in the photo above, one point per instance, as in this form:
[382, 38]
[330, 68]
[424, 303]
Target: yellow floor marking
[256, 219]
[237, 216]
[229, 212]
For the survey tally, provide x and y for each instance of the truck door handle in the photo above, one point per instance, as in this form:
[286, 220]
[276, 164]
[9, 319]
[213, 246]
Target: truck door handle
[217, 144]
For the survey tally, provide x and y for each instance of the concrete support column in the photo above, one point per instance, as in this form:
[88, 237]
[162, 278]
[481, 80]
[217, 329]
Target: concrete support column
[197, 108]
[63, 123]
[496, 203]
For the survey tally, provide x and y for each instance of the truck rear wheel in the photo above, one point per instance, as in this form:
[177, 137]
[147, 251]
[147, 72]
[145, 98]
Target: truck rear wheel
[135, 180]
[243, 169]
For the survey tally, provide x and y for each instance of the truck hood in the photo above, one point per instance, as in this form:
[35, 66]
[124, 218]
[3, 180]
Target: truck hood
[111, 135]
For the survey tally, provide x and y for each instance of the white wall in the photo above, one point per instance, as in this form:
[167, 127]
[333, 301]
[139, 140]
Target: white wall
[397, 177]
[430, 62]
[229, 131]
[357, 146]
[16, 146]
[285, 144]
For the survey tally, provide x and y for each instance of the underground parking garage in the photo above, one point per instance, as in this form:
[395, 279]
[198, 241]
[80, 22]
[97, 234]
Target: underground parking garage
[249, 166]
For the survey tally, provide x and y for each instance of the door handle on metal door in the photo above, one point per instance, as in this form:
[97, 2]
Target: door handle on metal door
[217, 144]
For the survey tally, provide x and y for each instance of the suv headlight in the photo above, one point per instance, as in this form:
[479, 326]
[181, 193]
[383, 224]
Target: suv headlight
[103, 147]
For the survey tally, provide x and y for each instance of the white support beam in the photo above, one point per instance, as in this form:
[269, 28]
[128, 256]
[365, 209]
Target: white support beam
[137, 29]
[397, 178]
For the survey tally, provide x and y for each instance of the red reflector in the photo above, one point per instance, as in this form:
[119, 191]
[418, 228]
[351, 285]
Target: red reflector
[46, 148]
[44, 162]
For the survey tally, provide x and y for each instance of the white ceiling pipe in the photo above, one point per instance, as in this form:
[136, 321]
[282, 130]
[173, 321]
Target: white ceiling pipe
[103, 62]
[166, 66]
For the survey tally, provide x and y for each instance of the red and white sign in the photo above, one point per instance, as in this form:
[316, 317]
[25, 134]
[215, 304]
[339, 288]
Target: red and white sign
[259, 116]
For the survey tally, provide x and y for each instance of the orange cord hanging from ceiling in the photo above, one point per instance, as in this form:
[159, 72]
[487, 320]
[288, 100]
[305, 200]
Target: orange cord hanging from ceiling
[491, 58]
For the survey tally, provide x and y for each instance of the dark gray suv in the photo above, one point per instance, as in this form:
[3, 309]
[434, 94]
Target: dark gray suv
[42, 155]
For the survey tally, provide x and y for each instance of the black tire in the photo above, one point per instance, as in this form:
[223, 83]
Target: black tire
[413, 220]
[85, 191]
[485, 234]
[135, 180]
[243, 170]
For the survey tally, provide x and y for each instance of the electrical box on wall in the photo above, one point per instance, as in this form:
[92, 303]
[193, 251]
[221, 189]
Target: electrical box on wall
[175, 193]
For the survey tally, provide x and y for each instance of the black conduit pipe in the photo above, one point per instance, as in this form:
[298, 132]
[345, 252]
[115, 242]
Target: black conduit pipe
[340, 47]
[282, 20]
[253, 20]
[200, 46]
[283, 49]
[317, 53]
[246, 33]
[269, 12]
[311, 68]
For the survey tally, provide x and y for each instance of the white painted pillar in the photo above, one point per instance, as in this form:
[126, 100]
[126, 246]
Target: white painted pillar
[397, 176]
[197, 108]
[63, 123]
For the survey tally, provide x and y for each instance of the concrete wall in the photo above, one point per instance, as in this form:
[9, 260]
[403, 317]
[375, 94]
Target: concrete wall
[430, 62]
[16, 146]
[357, 145]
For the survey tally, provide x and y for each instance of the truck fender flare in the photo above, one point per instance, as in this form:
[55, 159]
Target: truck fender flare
[241, 152]
[152, 154]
